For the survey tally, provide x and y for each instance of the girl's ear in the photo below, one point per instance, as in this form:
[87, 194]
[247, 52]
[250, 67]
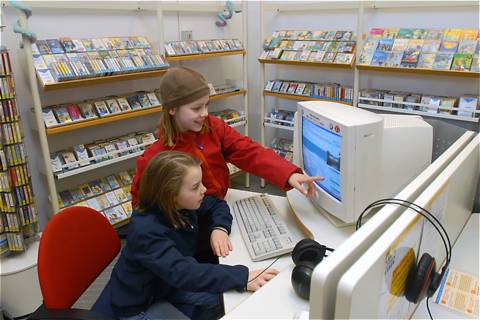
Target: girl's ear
[172, 111]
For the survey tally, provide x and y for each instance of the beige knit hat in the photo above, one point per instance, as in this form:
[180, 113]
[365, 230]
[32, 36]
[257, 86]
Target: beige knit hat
[180, 86]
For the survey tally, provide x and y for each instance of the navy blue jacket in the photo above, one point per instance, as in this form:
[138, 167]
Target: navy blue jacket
[158, 259]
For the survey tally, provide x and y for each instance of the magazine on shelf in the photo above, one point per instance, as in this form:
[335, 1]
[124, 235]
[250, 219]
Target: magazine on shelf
[467, 104]
[77, 194]
[475, 63]
[82, 154]
[329, 57]
[269, 85]
[87, 110]
[98, 152]
[379, 58]
[400, 44]
[110, 149]
[62, 114]
[56, 162]
[412, 98]
[300, 88]
[467, 46]
[434, 34]
[385, 44]
[394, 59]
[113, 106]
[153, 99]
[426, 61]
[112, 181]
[46, 77]
[120, 195]
[49, 117]
[86, 190]
[443, 61]
[133, 102]
[344, 58]
[446, 105]
[39, 63]
[144, 101]
[410, 58]
[115, 214]
[430, 46]
[449, 46]
[123, 104]
[74, 112]
[462, 61]
[125, 178]
[102, 108]
[69, 159]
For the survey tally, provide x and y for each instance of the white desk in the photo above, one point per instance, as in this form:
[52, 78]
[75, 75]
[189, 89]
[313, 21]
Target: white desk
[277, 299]
[465, 257]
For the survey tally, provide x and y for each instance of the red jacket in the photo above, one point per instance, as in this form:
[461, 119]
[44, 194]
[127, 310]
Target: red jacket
[219, 145]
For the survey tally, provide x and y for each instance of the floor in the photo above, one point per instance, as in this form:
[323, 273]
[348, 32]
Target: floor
[238, 182]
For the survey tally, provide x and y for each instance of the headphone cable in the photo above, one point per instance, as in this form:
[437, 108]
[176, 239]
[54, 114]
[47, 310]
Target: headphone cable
[428, 309]
[271, 264]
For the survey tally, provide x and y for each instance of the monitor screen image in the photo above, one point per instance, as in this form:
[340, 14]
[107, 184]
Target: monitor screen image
[322, 155]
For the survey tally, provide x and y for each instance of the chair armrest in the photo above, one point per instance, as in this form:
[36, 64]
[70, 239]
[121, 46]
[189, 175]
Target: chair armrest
[43, 313]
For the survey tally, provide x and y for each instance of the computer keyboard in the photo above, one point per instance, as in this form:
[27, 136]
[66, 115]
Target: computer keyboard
[263, 229]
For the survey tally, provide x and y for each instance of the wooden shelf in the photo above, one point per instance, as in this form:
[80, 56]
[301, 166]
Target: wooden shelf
[105, 79]
[94, 122]
[228, 94]
[301, 98]
[205, 55]
[307, 63]
[124, 115]
[454, 73]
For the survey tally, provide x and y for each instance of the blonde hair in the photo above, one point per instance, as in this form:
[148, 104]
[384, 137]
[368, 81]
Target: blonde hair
[161, 182]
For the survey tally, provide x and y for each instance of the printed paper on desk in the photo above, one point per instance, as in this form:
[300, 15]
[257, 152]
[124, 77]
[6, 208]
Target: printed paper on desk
[459, 291]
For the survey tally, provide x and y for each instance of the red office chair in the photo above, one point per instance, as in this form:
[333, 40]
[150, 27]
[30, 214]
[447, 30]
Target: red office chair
[76, 246]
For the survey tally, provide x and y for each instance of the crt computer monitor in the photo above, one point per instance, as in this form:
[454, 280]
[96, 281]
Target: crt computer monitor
[363, 156]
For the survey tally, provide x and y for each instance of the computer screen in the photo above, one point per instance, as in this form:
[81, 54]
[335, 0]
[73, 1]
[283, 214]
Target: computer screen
[382, 270]
[362, 156]
[322, 156]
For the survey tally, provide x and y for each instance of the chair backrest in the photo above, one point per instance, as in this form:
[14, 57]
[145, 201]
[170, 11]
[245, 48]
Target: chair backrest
[76, 246]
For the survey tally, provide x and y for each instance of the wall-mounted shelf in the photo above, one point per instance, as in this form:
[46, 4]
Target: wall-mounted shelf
[228, 94]
[307, 63]
[205, 55]
[277, 123]
[108, 119]
[453, 73]
[422, 113]
[301, 98]
[94, 166]
[105, 79]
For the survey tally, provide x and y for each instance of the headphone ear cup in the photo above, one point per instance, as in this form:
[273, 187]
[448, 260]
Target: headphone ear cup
[308, 250]
[420, 278]
[301, 277]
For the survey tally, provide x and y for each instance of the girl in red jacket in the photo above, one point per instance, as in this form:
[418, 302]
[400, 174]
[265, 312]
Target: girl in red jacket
[185, 125]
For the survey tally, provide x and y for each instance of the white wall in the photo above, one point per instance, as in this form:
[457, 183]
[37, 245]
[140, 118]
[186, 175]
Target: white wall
[47, 23]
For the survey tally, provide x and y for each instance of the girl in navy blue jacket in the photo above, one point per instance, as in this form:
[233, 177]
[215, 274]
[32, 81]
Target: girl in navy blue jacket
[157, 264]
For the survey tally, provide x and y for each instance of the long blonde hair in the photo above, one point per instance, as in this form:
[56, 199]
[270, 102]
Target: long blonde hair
[161, 182]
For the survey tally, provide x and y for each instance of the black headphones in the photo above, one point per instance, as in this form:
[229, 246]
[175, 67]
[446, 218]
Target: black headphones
[422, 281]
[306, 255]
